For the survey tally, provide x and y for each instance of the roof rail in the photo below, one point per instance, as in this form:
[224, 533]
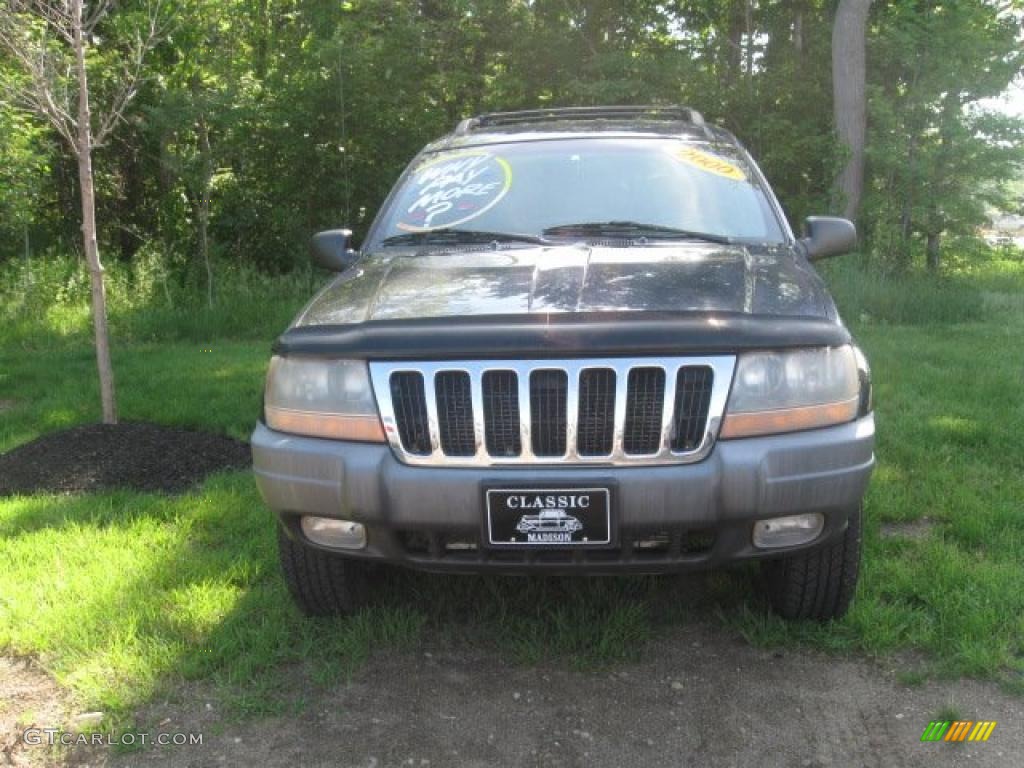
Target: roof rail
[648, 112]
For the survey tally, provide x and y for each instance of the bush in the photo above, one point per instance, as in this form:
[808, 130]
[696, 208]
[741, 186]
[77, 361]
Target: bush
[916, 298]
[46, 301]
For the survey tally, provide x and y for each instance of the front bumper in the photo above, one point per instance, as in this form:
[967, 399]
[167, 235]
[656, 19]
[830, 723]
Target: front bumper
[669, 518]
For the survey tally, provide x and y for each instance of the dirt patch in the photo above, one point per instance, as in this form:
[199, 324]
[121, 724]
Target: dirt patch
[28, 699]
[914, 529]
[7, 405]
[30, 702]
[701, 696]
[136, 455]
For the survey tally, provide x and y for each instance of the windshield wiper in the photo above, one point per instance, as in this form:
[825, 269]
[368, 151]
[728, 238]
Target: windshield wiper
[634, 229]
[448, 235]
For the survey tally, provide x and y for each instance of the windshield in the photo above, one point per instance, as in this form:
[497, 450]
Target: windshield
[573, 188]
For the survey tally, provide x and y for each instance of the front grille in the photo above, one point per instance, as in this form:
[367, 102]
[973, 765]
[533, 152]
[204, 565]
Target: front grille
[607, 411]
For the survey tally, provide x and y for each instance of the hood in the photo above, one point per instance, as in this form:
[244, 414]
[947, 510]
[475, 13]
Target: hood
[677, 277]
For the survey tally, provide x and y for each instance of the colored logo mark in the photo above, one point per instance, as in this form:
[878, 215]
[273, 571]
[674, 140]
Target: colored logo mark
[958, 730]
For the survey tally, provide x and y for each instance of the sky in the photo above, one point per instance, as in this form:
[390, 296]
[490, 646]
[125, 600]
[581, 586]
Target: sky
[1011, 102]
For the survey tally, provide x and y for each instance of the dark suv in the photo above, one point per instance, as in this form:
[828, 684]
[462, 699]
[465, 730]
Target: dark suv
[577, 341]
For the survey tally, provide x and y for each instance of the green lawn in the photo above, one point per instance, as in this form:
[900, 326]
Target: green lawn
[122, 595]
[212, 385]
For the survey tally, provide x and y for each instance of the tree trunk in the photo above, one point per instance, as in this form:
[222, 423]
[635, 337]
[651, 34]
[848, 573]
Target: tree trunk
[748, 24]
[933, 251]
[907, 207]
[261, 42]
[798, 30]
[734, 41]
[849, 65]
[204, 203]
[936, 217]
[92, 251]
[903, 251]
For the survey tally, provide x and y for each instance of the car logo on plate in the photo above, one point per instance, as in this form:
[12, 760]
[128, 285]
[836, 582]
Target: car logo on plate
[549, 525]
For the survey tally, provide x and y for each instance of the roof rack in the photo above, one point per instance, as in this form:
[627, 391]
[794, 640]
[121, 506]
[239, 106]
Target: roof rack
[649, 112]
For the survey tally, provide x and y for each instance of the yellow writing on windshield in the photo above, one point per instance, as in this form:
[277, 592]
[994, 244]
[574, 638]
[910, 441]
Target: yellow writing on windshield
[709, 162]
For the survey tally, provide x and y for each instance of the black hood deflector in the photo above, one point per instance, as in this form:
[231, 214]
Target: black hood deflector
[577, 334]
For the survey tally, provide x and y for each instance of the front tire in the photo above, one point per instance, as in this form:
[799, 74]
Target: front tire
[321, 583]
[817, 584]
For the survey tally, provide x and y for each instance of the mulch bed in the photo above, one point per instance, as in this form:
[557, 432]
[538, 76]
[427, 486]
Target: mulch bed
[135, 455]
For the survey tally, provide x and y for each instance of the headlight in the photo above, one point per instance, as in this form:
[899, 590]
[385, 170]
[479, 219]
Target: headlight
[322, 398]
[789, 391]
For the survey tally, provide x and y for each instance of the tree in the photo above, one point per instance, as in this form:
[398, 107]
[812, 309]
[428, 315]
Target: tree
[940, 161]
[23, 162]
[51, 41]
[195, 94]
[849, 82]
[265, 120]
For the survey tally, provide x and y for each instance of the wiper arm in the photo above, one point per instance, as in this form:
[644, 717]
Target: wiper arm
[448, 235]
[634, 229]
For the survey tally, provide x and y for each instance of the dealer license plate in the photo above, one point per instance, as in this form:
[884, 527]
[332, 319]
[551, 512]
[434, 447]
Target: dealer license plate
[549, 517]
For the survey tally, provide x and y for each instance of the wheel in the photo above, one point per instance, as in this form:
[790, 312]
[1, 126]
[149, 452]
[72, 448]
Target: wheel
[322, 584]
[819, 583]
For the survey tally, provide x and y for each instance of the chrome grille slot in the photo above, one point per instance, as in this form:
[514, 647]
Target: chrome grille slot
[645, 400]
[601, 411]
[693, 392]
[596, 424]
[501, 413]
[547, 412]
[455, 413]
[411, 406]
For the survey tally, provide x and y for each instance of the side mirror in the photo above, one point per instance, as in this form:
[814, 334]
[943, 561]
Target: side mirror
[332, 249]
[828, 236]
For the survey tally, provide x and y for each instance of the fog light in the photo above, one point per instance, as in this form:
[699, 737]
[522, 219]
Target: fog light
[328, 532]
[787, 531]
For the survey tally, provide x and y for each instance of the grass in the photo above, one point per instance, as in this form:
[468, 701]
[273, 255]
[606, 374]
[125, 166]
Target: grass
[214, 385]
[117, 592]
[948, 711]
[123, 596]
[44, 304]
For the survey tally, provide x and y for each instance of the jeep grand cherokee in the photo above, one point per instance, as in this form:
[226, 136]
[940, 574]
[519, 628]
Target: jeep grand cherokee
[592, 314]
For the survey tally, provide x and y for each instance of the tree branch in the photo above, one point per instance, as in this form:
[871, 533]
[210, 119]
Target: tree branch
[99, 10]
[56, 15]
[157, 29]
[46, 91]
[39, 94]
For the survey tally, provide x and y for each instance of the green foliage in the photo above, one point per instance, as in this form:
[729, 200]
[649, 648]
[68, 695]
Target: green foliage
[24, 155]
[938, 161]
[45, 302]
[280, 118]
[978, 285]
